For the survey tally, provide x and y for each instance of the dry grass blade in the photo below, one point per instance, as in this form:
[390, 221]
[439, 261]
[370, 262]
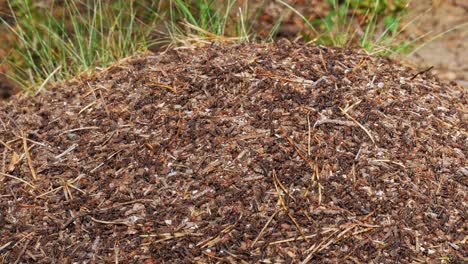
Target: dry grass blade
[283, 204]
[275, 177]
[298, 150]
[309, 136]
[163, 85]
[19, 179]
[6, 145]
[314, 248]
[211, 36]
[78, 129]
[292, 239]
[28, 156]
[44, 83]
[345, 112]
[263, 229]
[110, 222]
[214, 240]
[169, 236]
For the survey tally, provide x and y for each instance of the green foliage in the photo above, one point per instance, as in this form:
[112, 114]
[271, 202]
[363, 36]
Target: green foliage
[206, 17]
[55, 42]
[369, 24]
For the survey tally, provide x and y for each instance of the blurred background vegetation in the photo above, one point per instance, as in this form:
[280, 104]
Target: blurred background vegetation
[46, 41]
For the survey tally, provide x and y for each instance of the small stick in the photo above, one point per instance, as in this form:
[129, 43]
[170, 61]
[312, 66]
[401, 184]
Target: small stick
[168, 236]
[334, 121]
[71, 148]
[421, 72]
[22, 251]
[314, 248]
[116, 256]
[110, 222]
[163, 85]
[5, 246]
[323, 61]
[71, 219]
[78, 129]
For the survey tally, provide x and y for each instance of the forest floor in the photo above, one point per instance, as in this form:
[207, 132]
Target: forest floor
[238, 153]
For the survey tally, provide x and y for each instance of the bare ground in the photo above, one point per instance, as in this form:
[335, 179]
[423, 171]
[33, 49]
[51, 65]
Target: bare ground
[238, 153]
[448, 53]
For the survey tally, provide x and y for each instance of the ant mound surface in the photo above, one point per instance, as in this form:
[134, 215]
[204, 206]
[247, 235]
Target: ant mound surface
[237, 153]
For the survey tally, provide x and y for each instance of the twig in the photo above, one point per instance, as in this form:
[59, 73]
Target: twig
[5, 245]
[116, 255]
[275, 177]
[78, 129]
[86, 107]
[334, 121]
[213, 241]
[22, 251]
[163, 85]
[314, 247]
[110, 222]
[421, 72]
[297, 80]
[168, 236]
[323, 61]
[71, 219]
[72, 147]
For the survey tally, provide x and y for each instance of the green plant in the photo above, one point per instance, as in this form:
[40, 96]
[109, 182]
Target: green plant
[202, 19]
[369, 24]
[58, 40]
[54, 42]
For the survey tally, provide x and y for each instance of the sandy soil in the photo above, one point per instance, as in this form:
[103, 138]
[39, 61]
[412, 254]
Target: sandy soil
[449, 53]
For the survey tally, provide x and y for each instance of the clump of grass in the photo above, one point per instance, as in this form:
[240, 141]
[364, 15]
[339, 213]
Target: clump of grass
[207, 19]
[56, 42]
[368, 24]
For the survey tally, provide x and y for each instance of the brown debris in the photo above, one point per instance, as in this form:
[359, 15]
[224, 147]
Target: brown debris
[237, 153]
